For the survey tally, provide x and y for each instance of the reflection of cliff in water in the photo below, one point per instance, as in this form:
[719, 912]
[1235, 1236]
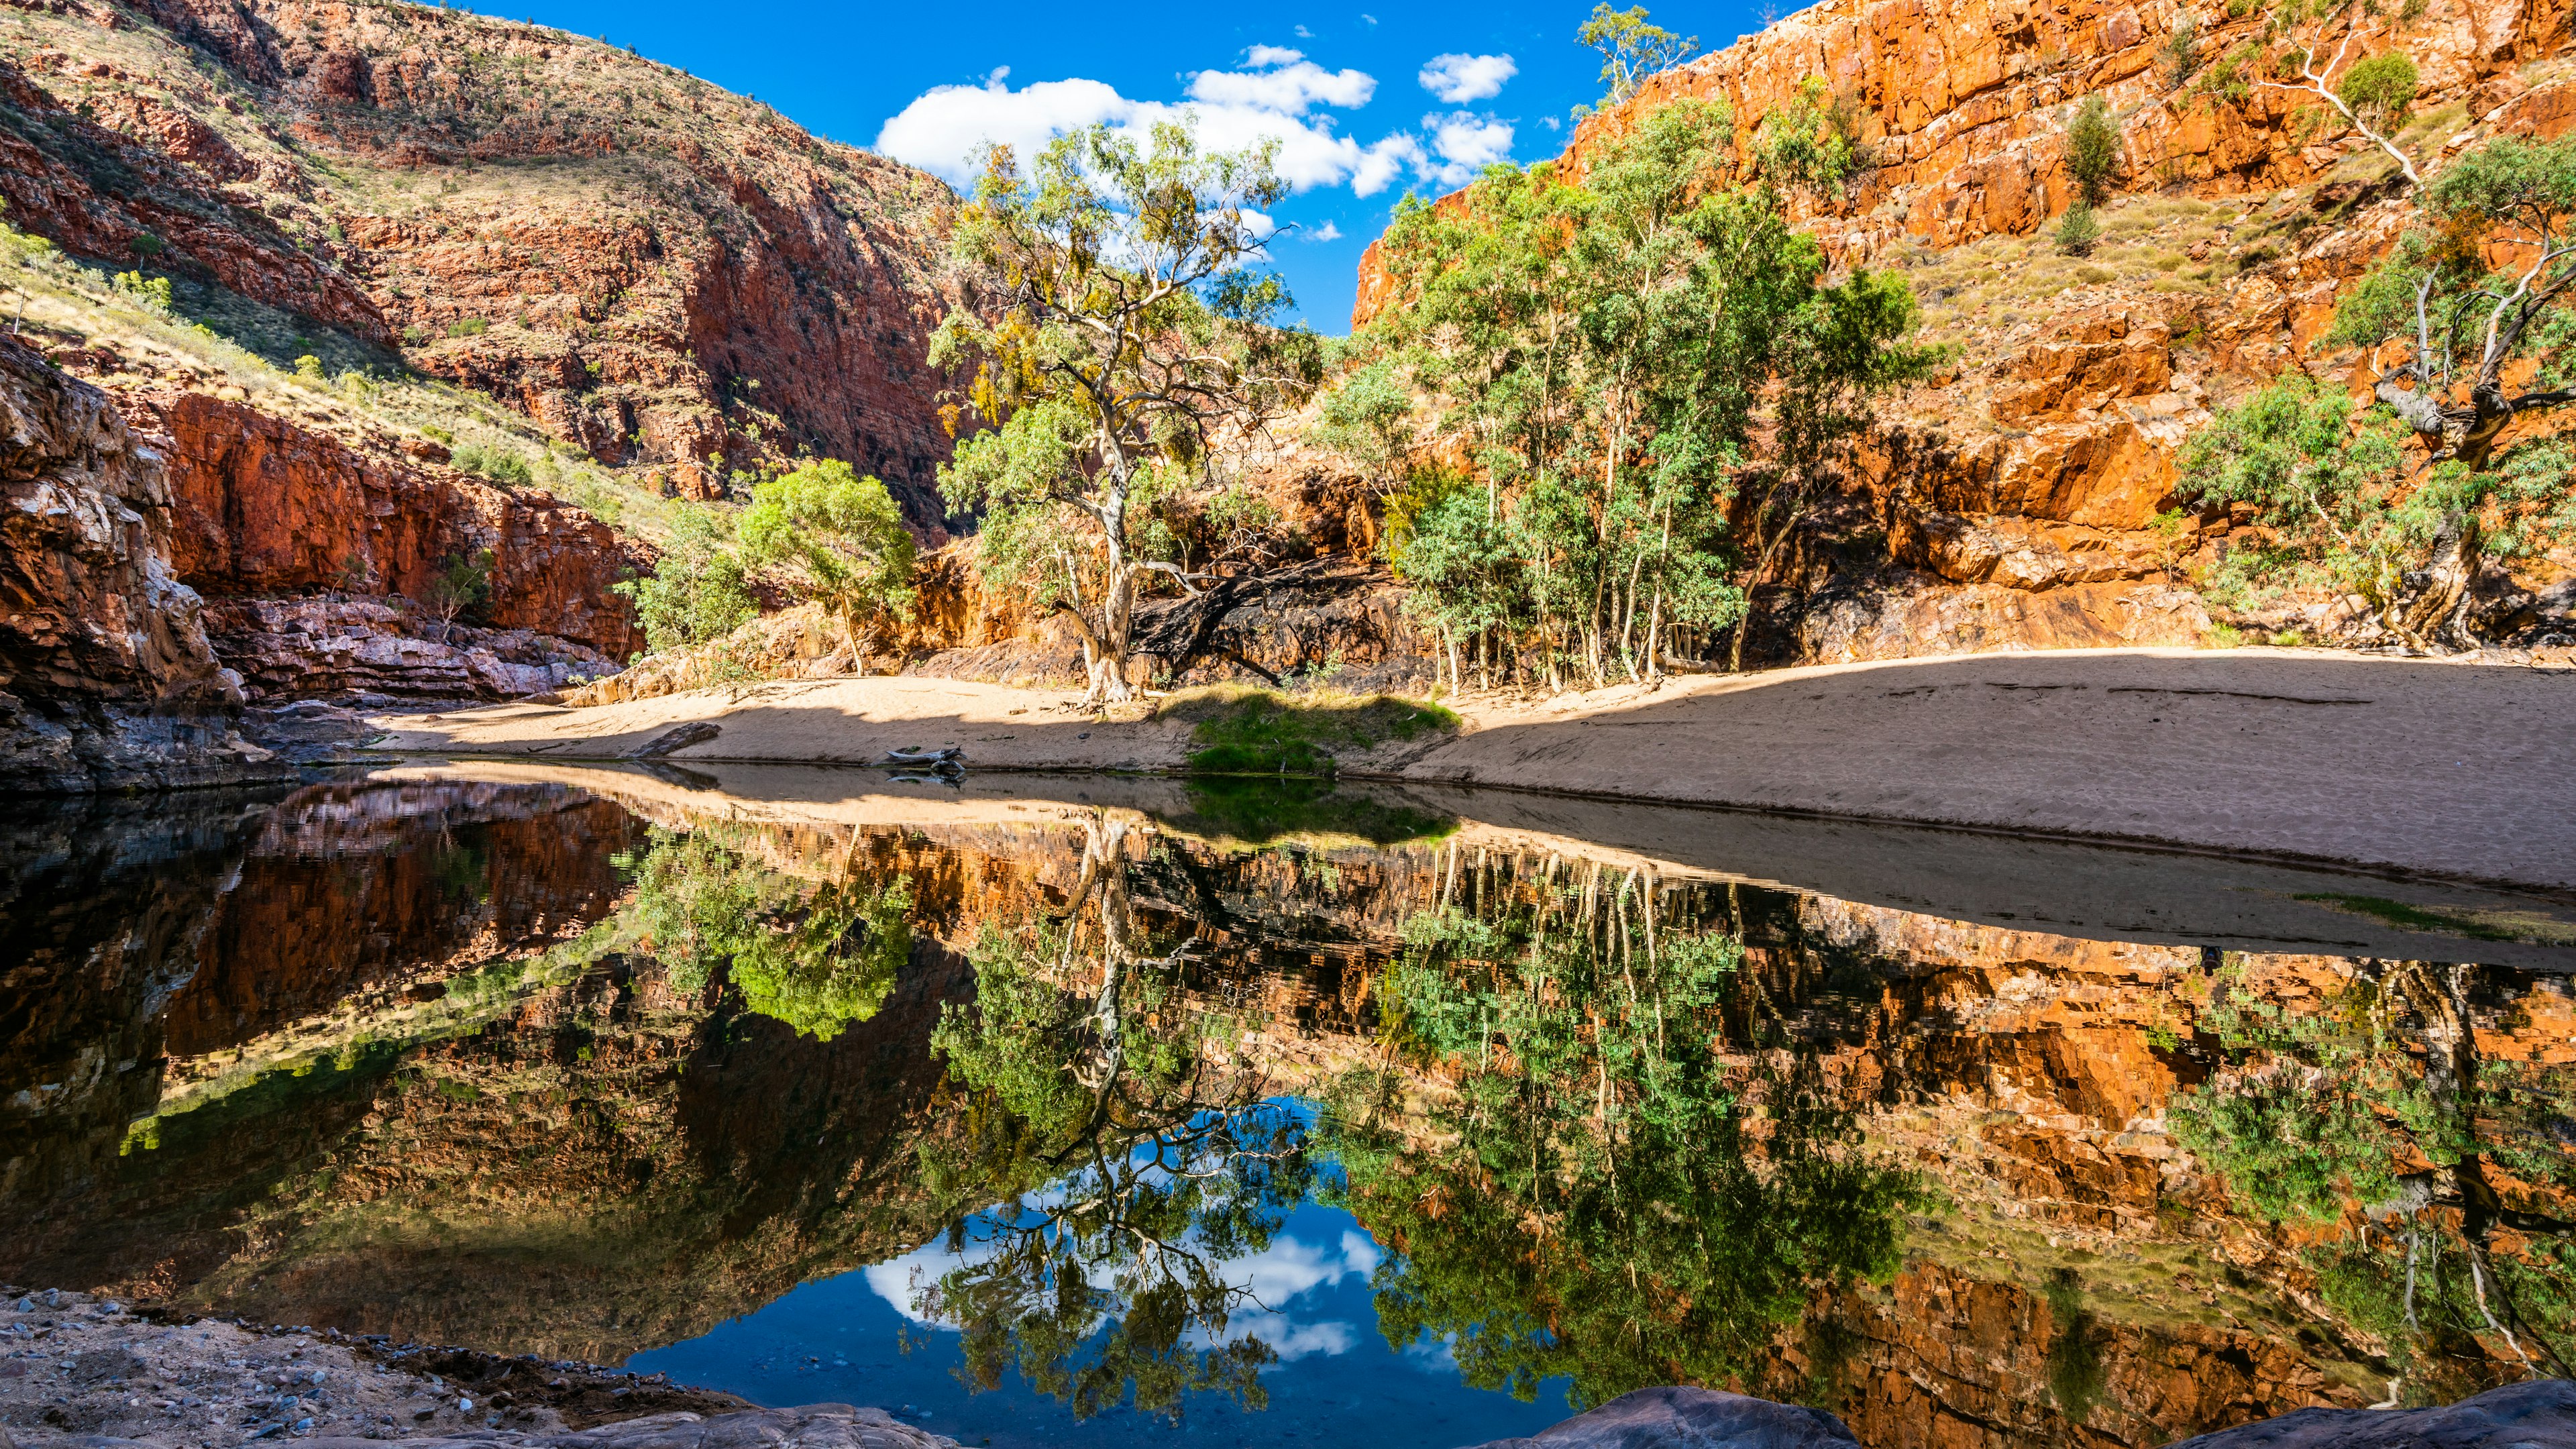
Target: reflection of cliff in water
[512, 1067]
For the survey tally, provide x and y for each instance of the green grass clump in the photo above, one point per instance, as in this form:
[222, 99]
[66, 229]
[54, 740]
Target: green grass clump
[2439, 920]
[1246, 731]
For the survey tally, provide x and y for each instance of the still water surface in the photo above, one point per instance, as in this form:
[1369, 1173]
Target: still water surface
[1094, 1112]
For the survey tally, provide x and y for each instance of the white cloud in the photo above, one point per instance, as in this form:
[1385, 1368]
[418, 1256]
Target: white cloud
[1385, 160]
[940, 131]
[1291, 1340]
[1279, 94]
[1552, 123]
[1360, 1251]
[1328, 232]
[1467, 143]
[1292, 89]
[1370, 19]
[1458, 79]
[1304, 34]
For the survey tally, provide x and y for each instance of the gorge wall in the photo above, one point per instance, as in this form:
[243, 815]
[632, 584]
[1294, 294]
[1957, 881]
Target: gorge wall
[2024, 497]
[660, 273]
[657, 283]
[106, 677]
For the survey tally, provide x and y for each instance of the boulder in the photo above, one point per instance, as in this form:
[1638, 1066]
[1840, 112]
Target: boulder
[2540, 1414]
[1682, 1418]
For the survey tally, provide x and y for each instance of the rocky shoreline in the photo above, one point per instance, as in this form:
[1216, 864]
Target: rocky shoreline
[84, 1372]
[78, 1370]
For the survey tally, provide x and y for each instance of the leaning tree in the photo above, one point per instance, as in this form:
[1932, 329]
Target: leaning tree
[2478, 293]
[1130, 338]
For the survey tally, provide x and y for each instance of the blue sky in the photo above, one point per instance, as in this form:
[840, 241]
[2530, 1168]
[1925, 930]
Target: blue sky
[1367, 106]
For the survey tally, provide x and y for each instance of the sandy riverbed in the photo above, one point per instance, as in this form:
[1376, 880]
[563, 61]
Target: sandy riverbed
[2457, 769]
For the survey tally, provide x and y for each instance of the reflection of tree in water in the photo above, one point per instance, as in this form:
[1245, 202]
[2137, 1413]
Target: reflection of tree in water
[2448, 1176]
[816, 957]
[1095, 1077]
[1610, 1195]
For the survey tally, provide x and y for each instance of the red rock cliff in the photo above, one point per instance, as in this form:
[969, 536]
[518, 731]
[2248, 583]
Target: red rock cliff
[664, 274]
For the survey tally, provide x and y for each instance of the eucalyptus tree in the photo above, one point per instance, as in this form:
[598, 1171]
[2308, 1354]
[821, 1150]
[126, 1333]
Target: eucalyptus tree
[1589, 1197]
[839, 540]
[1128, 339]
[2427, 1173]
[2483, 292]
[1619, 360]
[1138, 1158]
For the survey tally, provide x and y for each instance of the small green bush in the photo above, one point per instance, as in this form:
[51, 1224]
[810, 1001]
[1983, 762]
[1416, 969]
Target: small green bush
[152, 292]
[499, 465]
[470, 327]
[2078, 231]
[2093, 150]
[2381, 90]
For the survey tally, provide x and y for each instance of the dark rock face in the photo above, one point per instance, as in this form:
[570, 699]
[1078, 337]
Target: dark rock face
[2540, 1414]
[106, 678]
[1678, 1418]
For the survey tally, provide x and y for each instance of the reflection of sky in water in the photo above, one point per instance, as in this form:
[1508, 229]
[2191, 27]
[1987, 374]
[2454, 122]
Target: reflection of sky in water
[1336, 1379]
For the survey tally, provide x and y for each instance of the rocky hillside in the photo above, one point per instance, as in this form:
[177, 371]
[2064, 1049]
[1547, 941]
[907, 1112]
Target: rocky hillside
[659, 273]
[2025, 497]
[414, 320]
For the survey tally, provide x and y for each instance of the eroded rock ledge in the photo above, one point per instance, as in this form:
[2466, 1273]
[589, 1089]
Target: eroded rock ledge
[79, 1370]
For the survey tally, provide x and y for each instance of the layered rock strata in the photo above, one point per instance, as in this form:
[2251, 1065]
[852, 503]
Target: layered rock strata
[2025, 498]
[107, 679]
[661, 274]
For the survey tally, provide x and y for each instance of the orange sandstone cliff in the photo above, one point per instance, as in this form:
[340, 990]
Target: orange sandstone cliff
[2025, 498]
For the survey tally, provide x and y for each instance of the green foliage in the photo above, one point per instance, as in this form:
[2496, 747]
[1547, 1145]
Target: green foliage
[1260, 732]
[1605, 356]
[2078, 232]
[1591, 1202]
[1367, 417]
[501, 465]
[1167, 1168]
[152, 293]
[834, 966]
[462, 585]
[2327, 493]
[1132, 331]
[839, 540]
[1813, 142]
[1259, 810]
[2076, 1371]
[699, 589]
[2093, 150]
[817, 958]
[2381, 90]
[2179, 56]
[308, 368]
[469, 327]
[1632, 48]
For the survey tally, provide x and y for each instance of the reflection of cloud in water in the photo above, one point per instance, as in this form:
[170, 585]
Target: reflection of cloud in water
[1288, 1269]
[1433, 1355]
[1291, 1339]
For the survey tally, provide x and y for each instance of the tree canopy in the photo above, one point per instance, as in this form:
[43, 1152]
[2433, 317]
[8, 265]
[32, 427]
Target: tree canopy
[1616, 361]
[1130, 337]
[841, 540]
